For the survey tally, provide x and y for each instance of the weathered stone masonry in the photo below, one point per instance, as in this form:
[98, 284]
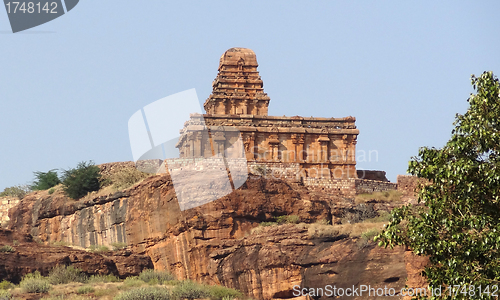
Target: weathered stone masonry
[238, 106]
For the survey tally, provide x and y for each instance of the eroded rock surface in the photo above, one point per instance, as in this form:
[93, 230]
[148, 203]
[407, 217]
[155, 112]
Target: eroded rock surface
[29, 256]
[213, 243]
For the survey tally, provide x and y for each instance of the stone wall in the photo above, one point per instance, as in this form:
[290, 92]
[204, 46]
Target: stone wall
[349, 188]
[274, 170]
[340, 187]
[365, 186]
[408, 184]
[287, 171]
[7, 203]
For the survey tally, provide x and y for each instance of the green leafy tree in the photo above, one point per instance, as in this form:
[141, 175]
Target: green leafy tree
[16, 191]
[457, 221]
[45, 180]
[83, 179]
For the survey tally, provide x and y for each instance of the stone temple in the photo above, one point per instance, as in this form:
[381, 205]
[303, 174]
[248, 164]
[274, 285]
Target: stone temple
[319, 147]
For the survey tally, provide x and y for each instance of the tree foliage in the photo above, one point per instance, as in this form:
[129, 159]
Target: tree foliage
[83, 179]
[16, 191]
[45, 180]
[457, 221]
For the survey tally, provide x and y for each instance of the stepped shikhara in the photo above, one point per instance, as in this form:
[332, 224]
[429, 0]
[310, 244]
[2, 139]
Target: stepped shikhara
[237, 112]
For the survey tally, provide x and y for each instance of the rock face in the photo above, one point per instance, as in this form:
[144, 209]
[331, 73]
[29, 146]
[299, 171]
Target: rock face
[29, 256]
[213, 243]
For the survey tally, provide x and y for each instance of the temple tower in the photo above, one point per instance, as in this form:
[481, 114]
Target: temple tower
[238, 88]
[237, 114]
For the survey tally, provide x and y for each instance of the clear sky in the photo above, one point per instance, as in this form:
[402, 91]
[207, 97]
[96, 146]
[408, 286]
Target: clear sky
[68, 87]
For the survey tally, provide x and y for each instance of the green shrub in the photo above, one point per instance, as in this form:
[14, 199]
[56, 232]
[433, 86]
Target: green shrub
[105, 292]
[62, 274]
[133, 281]
[16, 191]
[7, 248]
[102, 278]
[190, 290]
[152, 276]
[265, 224]
[118, 246]
[5, 295]
[82, 180]
[145, 293]
[292, 219]
[60, 243]
[370, 234]
[218, 292]
[34, 283]
[85, 290]
[5, 285]
[281, 219]
[98, 249]
[51, 191]
[45, 180]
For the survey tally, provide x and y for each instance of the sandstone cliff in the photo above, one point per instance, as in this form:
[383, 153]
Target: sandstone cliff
[213, 243]
[29, 256]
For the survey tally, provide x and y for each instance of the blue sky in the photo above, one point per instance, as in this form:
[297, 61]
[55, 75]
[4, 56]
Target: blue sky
[68, 87]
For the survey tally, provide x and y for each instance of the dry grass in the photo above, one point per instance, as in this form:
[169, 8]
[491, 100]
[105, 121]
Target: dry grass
[98, 290]
[105, 191]
[128, 177]
[104, 291]
[352, 230]
[122, 179]
[387, 196]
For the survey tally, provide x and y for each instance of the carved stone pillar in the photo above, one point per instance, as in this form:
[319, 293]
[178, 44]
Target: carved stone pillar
[232, 107]
[353, 148]
[295, 142]
[273, 144]
[191, 146]
[249, 143]
[323, 141]
[301, 155]
[255, 107]
[345, 149]
[219, 141]
[263, 110]
[245, 107]
[197, 144]
[223, 107]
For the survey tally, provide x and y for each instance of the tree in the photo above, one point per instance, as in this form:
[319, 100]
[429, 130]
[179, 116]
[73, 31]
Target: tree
[16, 191]
[457, 221]
[45, 180]
[83, 179]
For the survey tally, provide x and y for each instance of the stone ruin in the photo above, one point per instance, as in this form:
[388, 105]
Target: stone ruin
[237, 112]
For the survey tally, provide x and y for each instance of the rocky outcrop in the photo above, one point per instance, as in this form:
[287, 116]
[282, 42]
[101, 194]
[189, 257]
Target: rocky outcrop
[277, 261]
[213, 243]
[28, 256]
